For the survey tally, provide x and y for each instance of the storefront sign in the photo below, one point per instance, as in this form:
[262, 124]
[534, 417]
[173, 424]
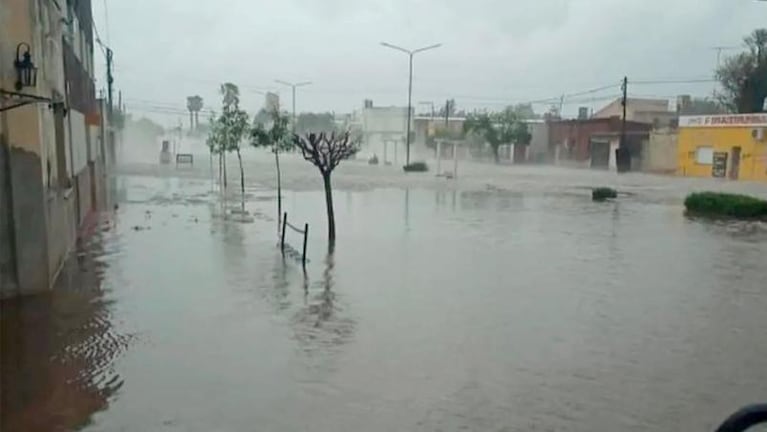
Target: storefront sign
[727, 120]
[719, 167]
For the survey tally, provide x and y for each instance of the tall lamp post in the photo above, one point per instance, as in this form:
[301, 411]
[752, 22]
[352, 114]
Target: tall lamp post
[293, 86]
[410, 54]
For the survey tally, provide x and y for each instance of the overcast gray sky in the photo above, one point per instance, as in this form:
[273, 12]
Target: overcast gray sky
[494, 52]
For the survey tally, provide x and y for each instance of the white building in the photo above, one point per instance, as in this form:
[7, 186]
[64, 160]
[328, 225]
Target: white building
[383, 131]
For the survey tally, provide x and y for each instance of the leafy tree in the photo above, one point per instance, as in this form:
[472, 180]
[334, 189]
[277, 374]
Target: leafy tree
[227, 133]
[744, 76]
[525, 111]
[498, 129]
[263, 116]
[326, 152]
[274, 133]
[322, 122]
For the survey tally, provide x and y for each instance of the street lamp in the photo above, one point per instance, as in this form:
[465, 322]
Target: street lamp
[26, 72]
[410, 54]
[293, 86]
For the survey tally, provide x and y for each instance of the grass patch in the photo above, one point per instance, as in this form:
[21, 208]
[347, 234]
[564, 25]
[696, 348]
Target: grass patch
[724, 204]
[603, 193]
[416, 167]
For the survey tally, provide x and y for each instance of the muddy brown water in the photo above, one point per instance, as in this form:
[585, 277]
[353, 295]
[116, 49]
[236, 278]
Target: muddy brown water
[472, 307]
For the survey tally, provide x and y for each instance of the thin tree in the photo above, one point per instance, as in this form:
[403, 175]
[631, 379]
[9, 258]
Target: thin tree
[326, 152]
[744, 76]
[227, 134]
[274, 134]
[498, 129]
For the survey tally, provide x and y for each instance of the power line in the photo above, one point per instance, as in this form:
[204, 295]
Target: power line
[676, 81]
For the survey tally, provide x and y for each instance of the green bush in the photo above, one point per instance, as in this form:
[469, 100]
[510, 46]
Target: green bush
[416, 167]
[723, 204]
[603, 193]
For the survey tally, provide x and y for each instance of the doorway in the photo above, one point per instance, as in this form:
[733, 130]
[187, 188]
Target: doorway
[600, 154]
[735, 163]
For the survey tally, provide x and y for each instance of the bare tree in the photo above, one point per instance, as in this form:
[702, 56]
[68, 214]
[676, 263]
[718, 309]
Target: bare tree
[326, 152]
[743, 77]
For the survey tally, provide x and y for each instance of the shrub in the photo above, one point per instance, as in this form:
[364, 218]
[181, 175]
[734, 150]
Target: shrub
[416, 167]
[723, 204]
[603, 193]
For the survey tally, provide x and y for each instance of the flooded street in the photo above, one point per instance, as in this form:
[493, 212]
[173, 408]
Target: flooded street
[503, 301]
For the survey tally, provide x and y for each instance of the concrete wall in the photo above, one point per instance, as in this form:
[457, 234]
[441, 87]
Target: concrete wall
[538, 150]
[383, 132]
[659, 153]
[38, 200]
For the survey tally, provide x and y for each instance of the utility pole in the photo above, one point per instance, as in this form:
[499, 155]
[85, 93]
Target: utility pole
[293, 86]
[622, 154]
[624, 88]
[110, 82]
[561, 105]
[447, 112]
[410, 54]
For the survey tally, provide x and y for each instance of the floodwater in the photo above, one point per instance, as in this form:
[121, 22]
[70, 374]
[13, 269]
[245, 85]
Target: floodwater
[497, 302]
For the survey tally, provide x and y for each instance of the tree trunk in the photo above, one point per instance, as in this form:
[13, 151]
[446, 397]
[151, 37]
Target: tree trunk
[495, 154]
[242, 182]
[220, 173]
[223, 161]
[329, 203]
[279, 190]
[211, 171]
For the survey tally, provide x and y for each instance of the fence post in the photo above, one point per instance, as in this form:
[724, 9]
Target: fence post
[306, 236]
[282, 236]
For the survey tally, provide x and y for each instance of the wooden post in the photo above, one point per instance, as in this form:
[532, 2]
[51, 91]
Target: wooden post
[306, 236]
[282, 236]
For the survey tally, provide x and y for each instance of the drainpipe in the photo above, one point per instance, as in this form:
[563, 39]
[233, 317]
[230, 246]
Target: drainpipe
[72, 174]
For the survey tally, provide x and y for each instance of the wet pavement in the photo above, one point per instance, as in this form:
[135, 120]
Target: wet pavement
[504, 301]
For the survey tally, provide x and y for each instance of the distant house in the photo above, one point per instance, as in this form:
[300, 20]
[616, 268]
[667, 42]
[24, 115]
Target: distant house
[656, 112]
[382, 131]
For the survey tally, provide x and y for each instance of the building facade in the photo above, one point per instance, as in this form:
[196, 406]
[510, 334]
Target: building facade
[730, 146]
[51, 139]
[592, 142]
[383, 131]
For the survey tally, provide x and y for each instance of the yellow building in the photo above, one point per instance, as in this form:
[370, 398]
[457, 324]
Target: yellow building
[730, 146]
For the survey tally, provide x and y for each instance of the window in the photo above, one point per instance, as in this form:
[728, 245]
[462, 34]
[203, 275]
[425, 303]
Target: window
[704, 155]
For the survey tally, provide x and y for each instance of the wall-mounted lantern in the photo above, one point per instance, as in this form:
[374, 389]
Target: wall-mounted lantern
[26, 71]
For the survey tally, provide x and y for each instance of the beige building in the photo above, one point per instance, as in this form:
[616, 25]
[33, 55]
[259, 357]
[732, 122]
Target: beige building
[651, 111]
[659, 151]
[51, 139]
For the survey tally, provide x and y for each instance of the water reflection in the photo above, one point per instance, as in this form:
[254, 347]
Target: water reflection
[320, 326]
[58, 349]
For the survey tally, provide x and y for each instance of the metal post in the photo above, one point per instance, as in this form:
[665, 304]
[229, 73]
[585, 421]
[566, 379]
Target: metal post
[396, 144]
[110, 84]
[624, 101]
[306, 236]
[294, 108]
[439, 156]
[410, 54]
[455, 160]
[409, 110]
[282, 237]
